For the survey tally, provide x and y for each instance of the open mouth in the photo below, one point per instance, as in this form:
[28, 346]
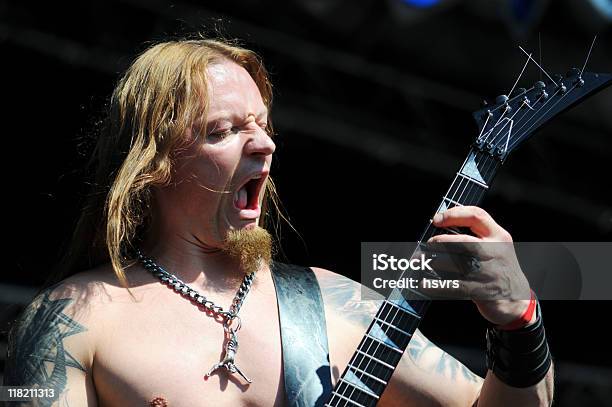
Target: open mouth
[247, 196]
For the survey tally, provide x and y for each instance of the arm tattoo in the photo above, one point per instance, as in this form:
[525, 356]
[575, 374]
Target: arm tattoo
[36, 353]
[346, 297]
[421, 348]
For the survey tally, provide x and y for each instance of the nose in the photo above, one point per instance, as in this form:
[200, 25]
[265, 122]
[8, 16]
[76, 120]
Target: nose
[260, 143]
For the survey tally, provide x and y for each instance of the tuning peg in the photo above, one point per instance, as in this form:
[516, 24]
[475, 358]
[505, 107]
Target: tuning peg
[558, 79]
[484, 103]
[521, 91]
[541, 86]
[573, 72]
[501, 99]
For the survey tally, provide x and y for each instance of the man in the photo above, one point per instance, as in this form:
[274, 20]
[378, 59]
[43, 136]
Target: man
[183, 173]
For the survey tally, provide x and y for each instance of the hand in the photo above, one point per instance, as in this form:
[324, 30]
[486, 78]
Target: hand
[498, 287]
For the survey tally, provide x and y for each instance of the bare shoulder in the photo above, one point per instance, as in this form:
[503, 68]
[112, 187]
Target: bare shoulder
[70, 313]
[58, 317]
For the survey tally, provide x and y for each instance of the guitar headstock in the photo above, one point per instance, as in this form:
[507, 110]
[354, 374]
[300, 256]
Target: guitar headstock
[505, 125]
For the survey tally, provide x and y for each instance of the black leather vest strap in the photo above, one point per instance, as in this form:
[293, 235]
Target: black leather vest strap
[303, 334]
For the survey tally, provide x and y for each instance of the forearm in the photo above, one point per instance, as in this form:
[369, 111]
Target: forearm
[496, 393]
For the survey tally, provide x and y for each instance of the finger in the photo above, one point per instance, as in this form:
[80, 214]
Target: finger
[453, 239]
[454, 265]
[473, 217]
[459, 244]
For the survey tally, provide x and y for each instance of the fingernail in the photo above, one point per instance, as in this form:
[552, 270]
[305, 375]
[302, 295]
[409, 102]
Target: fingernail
[437, 218]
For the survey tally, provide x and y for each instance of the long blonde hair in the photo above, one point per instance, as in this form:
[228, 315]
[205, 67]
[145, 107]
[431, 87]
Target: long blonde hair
[157, 99]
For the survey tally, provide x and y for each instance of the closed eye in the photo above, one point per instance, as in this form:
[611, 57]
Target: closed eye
[216, 136]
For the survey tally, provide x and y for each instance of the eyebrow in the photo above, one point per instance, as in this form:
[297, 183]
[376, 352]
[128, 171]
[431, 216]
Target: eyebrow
[225, 115]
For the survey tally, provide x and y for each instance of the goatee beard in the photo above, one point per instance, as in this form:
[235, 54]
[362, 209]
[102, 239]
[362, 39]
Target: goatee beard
[251, 247]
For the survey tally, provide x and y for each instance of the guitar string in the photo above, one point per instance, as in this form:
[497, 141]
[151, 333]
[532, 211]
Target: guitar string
[468, 188]
[491, 163]
[463, 186]
[487, 171]
[588, 55]
[473, 187]
[567, 92]
[544, 104]
[519, 77]
[393, 319]
[539, 66]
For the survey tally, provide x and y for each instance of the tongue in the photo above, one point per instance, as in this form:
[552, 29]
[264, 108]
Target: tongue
[241, 201]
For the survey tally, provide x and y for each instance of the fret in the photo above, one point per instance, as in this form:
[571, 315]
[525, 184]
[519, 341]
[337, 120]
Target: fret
[364, 381]
[393, 326]
[452, 201]
[385, 344]
[393, 348]
[369, 363]
[366, 384]
[461, 193]
[393, 304]
[384, 353]
[388, 335]
[411, 305]
[399, 319]
[390, 306]
[366, 391]
[480, 184]
[367, 374]
[417, 301]
[355, 393]
[376, 360]
[345, 398]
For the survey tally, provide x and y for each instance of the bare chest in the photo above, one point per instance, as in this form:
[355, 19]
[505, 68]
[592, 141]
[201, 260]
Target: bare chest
[158, 353]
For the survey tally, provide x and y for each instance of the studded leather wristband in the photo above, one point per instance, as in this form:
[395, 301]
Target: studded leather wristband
[520, 357]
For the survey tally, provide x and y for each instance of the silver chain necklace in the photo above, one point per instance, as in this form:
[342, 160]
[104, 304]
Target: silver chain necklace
[201, 301]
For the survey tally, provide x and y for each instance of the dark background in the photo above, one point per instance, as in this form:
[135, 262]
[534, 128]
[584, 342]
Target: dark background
[373, 103]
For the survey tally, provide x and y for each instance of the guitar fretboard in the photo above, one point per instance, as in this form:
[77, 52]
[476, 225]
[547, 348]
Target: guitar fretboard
[389, 334]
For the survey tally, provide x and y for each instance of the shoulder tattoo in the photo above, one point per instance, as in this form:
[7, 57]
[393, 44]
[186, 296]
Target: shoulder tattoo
[36, 353]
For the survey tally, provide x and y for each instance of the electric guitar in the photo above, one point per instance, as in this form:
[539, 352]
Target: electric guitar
[502, 128]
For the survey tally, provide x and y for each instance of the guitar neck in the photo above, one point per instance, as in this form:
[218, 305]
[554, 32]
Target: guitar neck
[389, 334]
[503, 127]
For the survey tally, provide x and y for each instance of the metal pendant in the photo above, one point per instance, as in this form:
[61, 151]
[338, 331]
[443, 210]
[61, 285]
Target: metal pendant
[230, 353]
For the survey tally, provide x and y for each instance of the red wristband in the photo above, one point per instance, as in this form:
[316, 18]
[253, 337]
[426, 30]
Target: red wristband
[523, 319]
